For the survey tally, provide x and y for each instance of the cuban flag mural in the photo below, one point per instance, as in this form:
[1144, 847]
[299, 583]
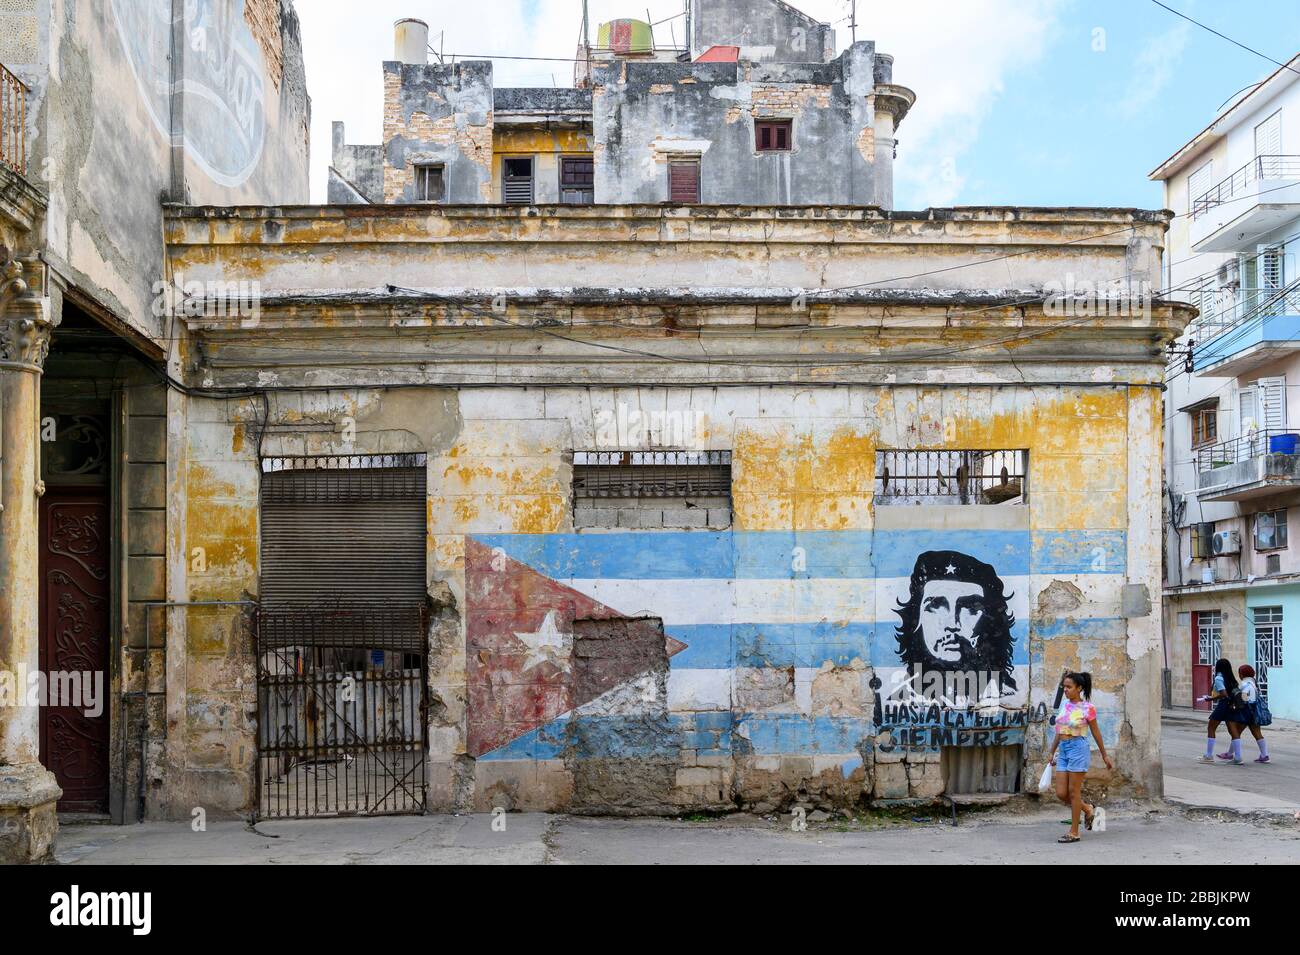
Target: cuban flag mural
[638, 645]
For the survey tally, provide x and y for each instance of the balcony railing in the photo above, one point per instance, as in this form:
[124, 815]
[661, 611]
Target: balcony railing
[1259, 168]
[13, 121]
[1238, 449]
[1246, 303]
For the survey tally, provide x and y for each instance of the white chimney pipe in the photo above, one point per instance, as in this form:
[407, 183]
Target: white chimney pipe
[411, 41]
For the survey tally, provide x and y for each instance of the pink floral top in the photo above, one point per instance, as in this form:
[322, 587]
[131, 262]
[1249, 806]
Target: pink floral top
[1074, 718]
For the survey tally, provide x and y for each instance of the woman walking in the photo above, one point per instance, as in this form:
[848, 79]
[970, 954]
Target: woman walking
[1250, 709]
[1070, 750]
[1225, 693]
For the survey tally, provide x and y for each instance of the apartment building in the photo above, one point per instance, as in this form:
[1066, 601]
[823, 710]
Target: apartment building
[1232, 411]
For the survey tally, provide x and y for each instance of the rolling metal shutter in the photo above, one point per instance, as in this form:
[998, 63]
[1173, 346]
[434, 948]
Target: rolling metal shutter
[343, 551]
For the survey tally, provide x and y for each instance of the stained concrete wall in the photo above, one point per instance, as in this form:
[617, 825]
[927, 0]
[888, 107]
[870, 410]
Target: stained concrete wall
[100, 127]
[759, 693]
[765, 30]
[644, 114]
[438, 114]
[356, 172]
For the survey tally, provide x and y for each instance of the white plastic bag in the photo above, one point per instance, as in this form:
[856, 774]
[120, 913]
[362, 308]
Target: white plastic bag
[1045, 780]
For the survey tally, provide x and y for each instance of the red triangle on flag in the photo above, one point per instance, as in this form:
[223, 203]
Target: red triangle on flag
[519, 648]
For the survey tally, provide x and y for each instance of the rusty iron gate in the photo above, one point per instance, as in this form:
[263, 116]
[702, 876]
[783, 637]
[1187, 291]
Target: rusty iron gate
[342, 663]
[341, 731]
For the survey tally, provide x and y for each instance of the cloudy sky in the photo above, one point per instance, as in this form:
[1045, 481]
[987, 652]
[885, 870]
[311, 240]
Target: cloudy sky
[1028, 102]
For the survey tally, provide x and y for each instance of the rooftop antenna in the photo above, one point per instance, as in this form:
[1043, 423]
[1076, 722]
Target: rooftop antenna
[853, 21]
[586, 42]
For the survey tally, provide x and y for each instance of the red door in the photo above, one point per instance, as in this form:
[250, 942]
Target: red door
[74, 567]
[1207, 634]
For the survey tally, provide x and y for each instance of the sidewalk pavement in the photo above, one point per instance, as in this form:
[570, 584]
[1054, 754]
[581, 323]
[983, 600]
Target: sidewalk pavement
[1181, 715]
[1133, 835]
[1271, 790]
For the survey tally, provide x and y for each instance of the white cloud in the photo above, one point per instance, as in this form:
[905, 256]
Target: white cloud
[956, 56]
[1153, 68]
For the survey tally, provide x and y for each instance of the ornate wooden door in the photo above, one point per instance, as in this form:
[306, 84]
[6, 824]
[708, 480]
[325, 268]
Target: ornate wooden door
[75, 602]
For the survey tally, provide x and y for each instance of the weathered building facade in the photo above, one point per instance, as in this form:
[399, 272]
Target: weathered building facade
[108, 110]
[783, 122]
[672, 532]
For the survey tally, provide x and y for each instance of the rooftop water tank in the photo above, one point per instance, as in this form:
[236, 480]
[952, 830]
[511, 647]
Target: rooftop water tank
[623, 37]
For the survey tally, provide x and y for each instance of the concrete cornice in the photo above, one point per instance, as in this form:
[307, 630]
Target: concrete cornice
[812, 214]
[894, 100]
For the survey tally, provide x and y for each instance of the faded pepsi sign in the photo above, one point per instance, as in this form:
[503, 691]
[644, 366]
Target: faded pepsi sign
[224, 80]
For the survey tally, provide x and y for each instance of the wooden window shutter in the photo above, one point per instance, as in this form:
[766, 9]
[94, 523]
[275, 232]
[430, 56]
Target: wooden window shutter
[684, 181]
[577, 180]
[772, 135]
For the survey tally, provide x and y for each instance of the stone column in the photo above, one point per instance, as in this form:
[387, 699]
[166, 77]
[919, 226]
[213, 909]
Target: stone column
[28, 791]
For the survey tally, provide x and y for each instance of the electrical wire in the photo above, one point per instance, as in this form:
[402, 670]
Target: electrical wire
[1222, 36]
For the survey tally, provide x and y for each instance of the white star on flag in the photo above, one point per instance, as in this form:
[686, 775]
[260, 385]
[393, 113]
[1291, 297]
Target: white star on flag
[950, 569]
[546, 644]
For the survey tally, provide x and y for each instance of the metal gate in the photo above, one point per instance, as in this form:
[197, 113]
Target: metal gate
[342, 666]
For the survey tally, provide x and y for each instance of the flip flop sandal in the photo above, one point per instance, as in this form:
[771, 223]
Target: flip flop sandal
[1068, 838]
[1088, 817]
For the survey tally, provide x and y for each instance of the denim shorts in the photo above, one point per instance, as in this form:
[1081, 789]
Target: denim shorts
[1073, 754]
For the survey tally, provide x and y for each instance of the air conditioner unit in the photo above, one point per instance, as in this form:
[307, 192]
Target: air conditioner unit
[1225, 542]
[1230, 273]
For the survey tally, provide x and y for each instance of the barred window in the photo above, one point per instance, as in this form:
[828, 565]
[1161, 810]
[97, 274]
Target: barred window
[652, 489]
[1209, 637]
[1202, 540]
[951, 477]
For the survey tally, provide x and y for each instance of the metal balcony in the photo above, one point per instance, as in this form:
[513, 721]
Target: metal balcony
[1258, 327]
[1255, 200]
[1246, 467]
[13, 122]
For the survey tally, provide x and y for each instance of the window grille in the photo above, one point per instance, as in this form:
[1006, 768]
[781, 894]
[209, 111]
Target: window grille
[655, 474]
[951, 477]
[772, 135]
[1268, 643]
[577, 180]
[1209, 637]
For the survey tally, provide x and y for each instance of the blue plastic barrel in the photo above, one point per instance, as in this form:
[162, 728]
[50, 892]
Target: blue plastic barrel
[1282, 444]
